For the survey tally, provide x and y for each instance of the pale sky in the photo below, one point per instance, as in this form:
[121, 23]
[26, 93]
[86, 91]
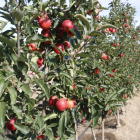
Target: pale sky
[135, 3]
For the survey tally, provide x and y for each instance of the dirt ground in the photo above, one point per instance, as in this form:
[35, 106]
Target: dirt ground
[130, 124]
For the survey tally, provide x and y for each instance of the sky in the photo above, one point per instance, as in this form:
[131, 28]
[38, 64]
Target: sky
[104, 3]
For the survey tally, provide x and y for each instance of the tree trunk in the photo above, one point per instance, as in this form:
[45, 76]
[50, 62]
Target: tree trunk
[118, 120]
[102, 128]
[93, 134]
[76, 134]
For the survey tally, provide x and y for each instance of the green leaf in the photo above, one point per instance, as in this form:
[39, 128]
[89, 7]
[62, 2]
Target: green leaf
[14, 57]
[2, 114]
[77, 34]
[7, 41]
[23, 67]
[56, 23]
[1, 86]
[84, 54]
[91, 46]
[94, 33]
[28, 118]
[44, 5]
[31, 103]
[61, 124]
[24, 129]
[107, 26]
[18, 111]
[84, 20]
[11, 137]
[110, 96]
[26, 89]
[71, 42]
[95, 116]
[13, 94]
[37, 38]
[3, 24]
[121, 90]
[32, 12]
[44, 87]
[18, 14]
[49, 134]
[50, 116]
[34, 67]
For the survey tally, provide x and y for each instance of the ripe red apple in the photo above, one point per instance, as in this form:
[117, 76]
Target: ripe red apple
[128, 76]
[40, 62]
[111, 75]
[10, 124]
[106, 30]
[71, 103]
[89, 88]
[74, 87]
[66, 44]
[108, 57]
[46, 33]
[113, 31]
[125, 96]
[53, 100]
[41, 136]
[89, 12]
[102, 89]
[134, 37]
[113, 44]
[61, 104]
[118, 44]
[122, 55]
[110, 29]
[109, 112]
[114, 70]
[32, 47]
[129, 27]
[125, 20]
[96, 71]
[67, 25]
[124, 14]
[125, 25]
[130, 58]
[104, 56]
[59, 45]
[83, 120]
[45, 23]
[97, 17]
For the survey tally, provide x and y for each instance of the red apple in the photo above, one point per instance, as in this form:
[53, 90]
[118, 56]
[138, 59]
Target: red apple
[32, 47]
[67, 25]
[110, 29]
[83, 120]
[59, 45]
[53, 100]
[71, 103]
[124, 14]
[122, 55]
[66, 44]
[46, 33]
[104, 56]
[89, 12]
[118, 44]
[74, 87]
[102, 89]
[128, 76]
[40, 62]
[96, 71]
[111, 75]
[61, 104]
[114, 70]
[10, 124]
[89, 88]
[106, 30]
[134, 37]
[125, 96]
[45, 23]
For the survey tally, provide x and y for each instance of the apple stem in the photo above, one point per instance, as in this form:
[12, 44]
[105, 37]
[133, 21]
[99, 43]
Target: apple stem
[18, 32]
